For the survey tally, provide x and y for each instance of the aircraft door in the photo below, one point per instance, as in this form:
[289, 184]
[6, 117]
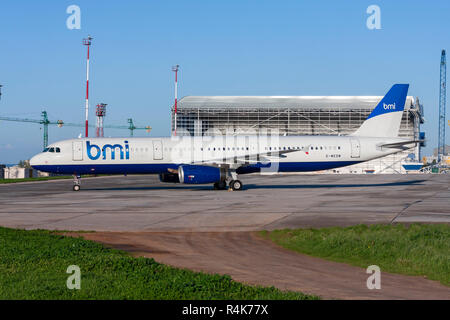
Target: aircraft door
[77, 150]
[355, 148]
[157, 150]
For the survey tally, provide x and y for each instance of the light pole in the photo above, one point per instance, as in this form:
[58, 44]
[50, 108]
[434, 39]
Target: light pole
[87, 42]
[100, 113]
[175, 69]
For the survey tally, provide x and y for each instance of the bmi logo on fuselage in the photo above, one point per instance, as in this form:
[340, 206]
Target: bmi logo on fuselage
[123, 150]
[389, 106]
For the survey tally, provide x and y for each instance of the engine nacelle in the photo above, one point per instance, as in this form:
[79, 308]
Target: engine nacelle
[169, 177]
[194, 174]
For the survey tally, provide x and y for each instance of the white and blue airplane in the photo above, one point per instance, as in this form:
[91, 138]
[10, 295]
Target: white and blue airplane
[220, 159]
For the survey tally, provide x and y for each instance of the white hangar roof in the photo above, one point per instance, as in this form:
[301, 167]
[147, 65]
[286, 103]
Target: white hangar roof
[242, 102]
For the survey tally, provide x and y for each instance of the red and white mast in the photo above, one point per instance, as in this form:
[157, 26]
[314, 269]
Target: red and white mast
[175, 69]
[87, 42]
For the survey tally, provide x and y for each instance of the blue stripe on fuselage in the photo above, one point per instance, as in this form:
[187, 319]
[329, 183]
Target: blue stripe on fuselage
[162, 168]
[294, 166]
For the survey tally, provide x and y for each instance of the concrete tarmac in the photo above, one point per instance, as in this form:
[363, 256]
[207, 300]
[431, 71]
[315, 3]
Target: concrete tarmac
[142, 203]
[202, 229]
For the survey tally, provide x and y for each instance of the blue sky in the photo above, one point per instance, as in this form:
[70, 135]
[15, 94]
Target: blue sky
[223, 47]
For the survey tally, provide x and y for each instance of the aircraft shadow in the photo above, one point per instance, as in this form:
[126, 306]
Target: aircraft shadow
[318, 186]
[264, 186]
[178, 187]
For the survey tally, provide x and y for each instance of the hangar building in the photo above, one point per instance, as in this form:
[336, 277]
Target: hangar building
[296, 115]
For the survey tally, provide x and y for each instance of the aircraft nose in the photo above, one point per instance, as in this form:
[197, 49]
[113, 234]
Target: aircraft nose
[36, 160]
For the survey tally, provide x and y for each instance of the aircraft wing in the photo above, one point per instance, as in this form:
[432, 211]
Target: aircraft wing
[245, 159]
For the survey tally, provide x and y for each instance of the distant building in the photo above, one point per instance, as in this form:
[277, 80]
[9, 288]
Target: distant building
[430, 159]
[17, 172]
[446, 151]
[296, 115]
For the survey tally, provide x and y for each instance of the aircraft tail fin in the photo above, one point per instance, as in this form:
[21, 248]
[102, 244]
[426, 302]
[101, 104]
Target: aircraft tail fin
[384, 121]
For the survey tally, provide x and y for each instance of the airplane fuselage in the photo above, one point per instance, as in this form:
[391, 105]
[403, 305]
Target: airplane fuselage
[246, 154]
[219, 159]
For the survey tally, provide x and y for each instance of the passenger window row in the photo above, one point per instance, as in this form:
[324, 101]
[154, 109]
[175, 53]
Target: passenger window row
[139, 149]
[247, 148]
[326, 148]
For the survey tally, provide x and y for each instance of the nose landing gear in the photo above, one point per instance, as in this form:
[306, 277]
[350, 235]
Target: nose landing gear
[76, 183]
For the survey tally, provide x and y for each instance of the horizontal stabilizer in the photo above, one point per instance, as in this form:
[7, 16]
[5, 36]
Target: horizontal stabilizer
[399, 144]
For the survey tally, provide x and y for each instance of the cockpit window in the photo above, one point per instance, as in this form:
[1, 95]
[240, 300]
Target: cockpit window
[52, 149]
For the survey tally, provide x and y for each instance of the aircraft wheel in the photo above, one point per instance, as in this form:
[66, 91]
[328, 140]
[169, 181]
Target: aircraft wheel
[236, 185]
[220, 185]
[76, 187]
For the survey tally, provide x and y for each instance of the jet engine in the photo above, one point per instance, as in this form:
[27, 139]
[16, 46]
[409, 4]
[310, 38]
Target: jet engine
[169, 177]
[195, 174]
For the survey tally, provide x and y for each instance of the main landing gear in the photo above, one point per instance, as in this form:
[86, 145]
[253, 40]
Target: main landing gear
[76, 183]
[222, 185]
[234, 184]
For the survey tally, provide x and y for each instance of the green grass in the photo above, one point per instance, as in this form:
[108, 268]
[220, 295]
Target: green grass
[418, 249]
[33, 265]
[34, 179]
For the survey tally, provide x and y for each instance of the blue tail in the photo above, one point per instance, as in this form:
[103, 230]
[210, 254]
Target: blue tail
[393, 101]
[384, 121]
